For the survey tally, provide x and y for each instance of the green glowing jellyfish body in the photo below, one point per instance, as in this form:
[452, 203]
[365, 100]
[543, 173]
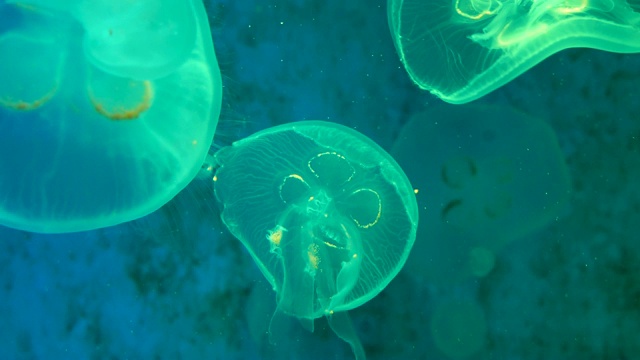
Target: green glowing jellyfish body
[460, 50]
[490, 175]
[328, 216]
[107, 109]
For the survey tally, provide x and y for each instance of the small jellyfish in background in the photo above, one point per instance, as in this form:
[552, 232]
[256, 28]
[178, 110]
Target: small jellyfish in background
[327, 215]
[461, 50]
[485, 176]
[107, 109]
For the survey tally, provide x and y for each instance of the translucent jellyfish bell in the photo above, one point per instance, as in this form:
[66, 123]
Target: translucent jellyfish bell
[460, 50]
[134, 44]
[485, 176]
[98, 131]
[328, 216]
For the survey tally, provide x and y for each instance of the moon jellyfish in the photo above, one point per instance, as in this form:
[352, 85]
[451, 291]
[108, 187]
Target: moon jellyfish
[107, 109]
[461, 50]
[485, 176]
[327, 215]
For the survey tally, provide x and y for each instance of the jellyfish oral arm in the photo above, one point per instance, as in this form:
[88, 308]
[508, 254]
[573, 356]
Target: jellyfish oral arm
[342, 326]
[346, 279]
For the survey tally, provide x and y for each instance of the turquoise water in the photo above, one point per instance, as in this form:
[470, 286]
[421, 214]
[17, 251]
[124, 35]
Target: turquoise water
[177, 284]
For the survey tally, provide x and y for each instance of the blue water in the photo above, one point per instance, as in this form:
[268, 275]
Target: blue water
[177, 285]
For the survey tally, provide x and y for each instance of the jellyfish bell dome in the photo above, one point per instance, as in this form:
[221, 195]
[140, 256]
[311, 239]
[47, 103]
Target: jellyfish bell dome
[93, 133]
[327, 215]
[460, 50]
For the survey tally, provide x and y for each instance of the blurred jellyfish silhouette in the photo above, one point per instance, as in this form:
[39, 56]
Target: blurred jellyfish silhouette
[485, 175]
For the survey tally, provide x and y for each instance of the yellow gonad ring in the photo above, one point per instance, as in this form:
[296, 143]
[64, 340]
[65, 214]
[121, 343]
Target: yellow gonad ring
[22, 105]
[479, 14]
[350, 170]
[121, 112]
[27, 83]
[573, 9]
[366, 225]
